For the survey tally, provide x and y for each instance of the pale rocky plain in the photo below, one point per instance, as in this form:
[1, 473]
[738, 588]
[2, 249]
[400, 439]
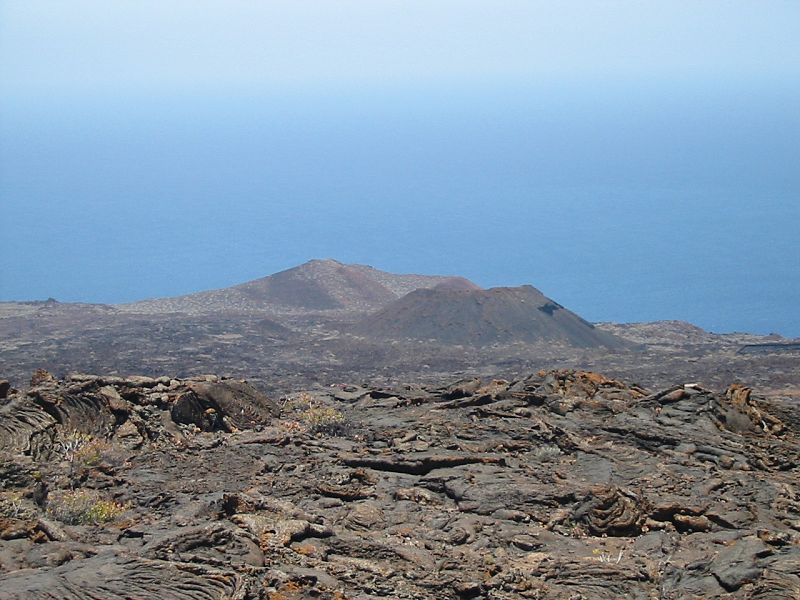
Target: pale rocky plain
[334, 431]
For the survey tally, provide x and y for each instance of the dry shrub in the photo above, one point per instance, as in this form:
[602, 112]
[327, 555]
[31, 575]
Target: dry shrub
[83, 507]
[84, 451]
[314, 416]
[13, 506]
[322, 419]
[71, 444]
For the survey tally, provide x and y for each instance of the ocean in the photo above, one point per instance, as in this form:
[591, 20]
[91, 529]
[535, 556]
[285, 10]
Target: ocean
[672, 201]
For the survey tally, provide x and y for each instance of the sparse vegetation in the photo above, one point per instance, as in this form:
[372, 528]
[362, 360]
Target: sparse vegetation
[546, 452]
[83, 507]
[71, 444]
[12, 506]
[90, 455]
[323, 419]
[499, 487]
[608, 557]
[314, 416]
[83, 451]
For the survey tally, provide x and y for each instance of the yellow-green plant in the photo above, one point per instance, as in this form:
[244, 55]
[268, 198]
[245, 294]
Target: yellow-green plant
[315, 416]
[90, 454]
[319, 418]
[82, 450]
[83, 507]
[298, 402]
[105, 511]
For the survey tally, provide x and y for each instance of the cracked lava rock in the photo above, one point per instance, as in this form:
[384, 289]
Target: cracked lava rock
[563, 484]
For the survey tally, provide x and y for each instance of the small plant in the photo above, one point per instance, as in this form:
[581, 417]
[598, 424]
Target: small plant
[72, 444]
[606, 557]
[13, 507]
[322, 419]
[293, 426]
[83, 451]
[83, 507]
[314, 417]
[546, 453]
[90, 454]
[105, 511]
[298, 402]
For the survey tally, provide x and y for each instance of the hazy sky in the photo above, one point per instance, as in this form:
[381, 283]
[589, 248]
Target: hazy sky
[160, 46]
[635, 160]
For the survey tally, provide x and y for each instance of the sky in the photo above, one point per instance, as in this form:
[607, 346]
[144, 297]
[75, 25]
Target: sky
[634, 160]
[163, 47]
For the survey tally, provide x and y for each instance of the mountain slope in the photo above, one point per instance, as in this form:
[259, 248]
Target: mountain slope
[313, 287]
[476, 317]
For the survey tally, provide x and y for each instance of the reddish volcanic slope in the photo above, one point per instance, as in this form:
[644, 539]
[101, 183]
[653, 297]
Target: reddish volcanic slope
[316, 286]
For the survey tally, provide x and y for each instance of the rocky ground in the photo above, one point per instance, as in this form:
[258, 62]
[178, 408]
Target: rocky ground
[560, 484]
[296, 354]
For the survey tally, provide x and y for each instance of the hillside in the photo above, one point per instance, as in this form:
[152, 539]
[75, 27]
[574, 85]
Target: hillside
[253, 330]
[477, 317]
[313, 287]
